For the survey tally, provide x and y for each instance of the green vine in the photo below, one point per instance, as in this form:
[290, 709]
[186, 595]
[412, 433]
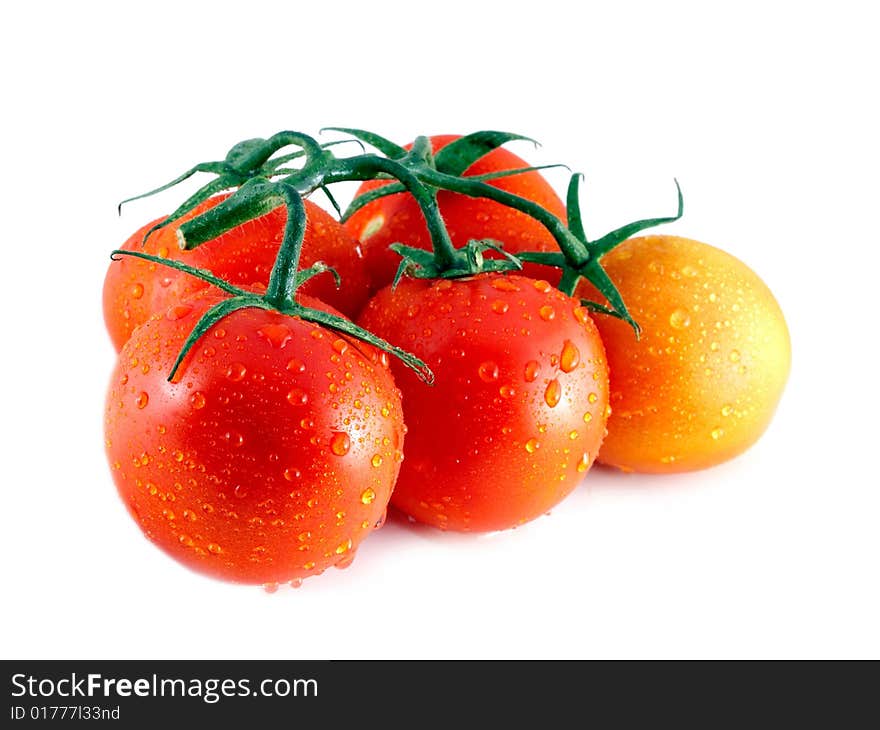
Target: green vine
[263, 179]
[280, 296]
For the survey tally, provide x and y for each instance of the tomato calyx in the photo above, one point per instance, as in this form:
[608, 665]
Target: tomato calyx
[579, 257]
[280, 295]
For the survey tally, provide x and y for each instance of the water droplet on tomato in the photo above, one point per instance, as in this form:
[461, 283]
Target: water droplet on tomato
[507, 391]
[240, 491]
[734, 356]
[297, 397]
[234, 438]
[499, 306]
[219, 333]
[531, 371]
[178, 311]
[726, 409]
[553, 393]
[504, 284]
[717, 433]
[308, 566]
[376, 461]
[542, 286]
[532, 445]
[570, 357]
[278, 335]
[547, 312]
[581, 314]
[296, 583]
[197, 400]
[588, 417]
[592, 397]
[343, 547]
[214, 548]
[295, 365]
[679, 319]
[236, 372]
[292, 474]
[270, 587]
[136, 291]
[573, 435]
[488, 371]
[142, 399]
[412, 310]
[340, 345]
[340, 443]
[584, 463]
[381, 521]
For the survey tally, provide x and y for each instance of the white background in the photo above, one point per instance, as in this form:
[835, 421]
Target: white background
[766, 114]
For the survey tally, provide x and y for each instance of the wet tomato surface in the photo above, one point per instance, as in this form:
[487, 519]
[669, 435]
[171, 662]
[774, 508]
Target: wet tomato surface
[134, 289]
[270, 456]
[518, 409]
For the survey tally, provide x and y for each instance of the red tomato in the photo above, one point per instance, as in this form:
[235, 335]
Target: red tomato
[398, 218]
[134, 289]
[518, 409]
[270, 457]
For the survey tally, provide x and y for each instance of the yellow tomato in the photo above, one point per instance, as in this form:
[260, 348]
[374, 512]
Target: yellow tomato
[701, 384]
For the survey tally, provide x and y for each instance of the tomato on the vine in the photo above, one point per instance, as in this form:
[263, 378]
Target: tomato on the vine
[702, 382]
[518, 408]
[270, 455]
[135, 289]
[397, 218]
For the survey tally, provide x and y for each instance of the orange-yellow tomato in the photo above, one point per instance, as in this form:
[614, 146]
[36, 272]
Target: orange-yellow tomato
[702, 383]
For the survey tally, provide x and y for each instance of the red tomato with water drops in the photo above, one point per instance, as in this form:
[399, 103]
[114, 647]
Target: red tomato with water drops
[270, 456]
[398, 219]
[518, 408]
[134, 289]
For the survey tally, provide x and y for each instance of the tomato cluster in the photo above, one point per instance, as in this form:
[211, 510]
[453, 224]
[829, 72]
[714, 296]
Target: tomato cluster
[257, 434]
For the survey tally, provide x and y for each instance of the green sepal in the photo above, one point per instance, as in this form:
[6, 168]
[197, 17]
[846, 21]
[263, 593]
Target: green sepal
[347, 327]
[210, 318]
[202, 194]
[385, 146]
[619, 235]
[598, 277]
[316, 269]
[203, 274]
[393, 188]
[460, 154]
[214, 167]
[467, 261]
[324, 189]
[573, 207]
[546, 258]
[601, 309]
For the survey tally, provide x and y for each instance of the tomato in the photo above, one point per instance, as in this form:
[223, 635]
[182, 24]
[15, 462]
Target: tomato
[702, 383]
[134, 289]
[270, 456]
[398, 219]
[517, 411]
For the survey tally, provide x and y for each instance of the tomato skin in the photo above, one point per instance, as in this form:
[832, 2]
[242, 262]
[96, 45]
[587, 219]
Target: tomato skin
[485, 448]
[270, 457]
[703, 381]
[398, 218]
[134, 289]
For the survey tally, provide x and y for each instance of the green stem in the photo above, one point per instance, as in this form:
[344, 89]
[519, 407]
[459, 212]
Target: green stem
[365, 167]
[574, 250]
[283, 280]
